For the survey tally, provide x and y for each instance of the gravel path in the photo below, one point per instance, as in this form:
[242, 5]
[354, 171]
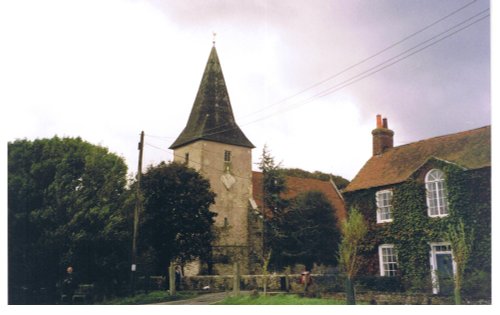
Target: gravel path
[204, 299]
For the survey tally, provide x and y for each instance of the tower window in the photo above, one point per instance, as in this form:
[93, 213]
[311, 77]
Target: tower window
[227, 156]
[186, 158]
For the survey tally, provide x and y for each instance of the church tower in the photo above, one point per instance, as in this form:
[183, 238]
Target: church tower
[214, 145]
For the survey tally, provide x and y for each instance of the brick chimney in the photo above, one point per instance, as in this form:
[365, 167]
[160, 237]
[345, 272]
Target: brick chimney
[383, 137]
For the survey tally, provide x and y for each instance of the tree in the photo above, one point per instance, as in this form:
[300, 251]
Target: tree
[274, 183]
[340, 182]
[461, 246]
[353, 230]
[308, 232]
[65, 206]
[176, 222]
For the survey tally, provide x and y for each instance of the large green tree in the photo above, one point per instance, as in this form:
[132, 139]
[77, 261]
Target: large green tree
[176, 223]
[65, 207]
[308, 232]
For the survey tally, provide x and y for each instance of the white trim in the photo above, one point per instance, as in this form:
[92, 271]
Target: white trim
[381, 260]
[391, 208]
[433, 261]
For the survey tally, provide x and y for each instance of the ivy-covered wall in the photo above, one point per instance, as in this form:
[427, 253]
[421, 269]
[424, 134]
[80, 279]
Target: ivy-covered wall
[411, 231]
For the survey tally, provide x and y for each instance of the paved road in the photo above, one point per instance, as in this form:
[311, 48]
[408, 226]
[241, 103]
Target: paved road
[204, 299]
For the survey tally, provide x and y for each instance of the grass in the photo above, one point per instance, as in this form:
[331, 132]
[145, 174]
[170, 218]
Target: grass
[279, 299]
[151, 297]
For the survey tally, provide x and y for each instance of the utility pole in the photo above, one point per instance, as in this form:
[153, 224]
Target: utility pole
[137, 211]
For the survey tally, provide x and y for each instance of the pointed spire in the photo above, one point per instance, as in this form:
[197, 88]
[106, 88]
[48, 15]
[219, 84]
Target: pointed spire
[212, 117]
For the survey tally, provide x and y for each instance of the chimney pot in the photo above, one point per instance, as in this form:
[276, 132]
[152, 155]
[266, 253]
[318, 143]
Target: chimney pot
[379, 121]
[385, 123]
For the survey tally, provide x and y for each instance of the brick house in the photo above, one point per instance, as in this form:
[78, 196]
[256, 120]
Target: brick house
[411, 193]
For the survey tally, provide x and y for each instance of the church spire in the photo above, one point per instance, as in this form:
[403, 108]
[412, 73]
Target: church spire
[212, 117]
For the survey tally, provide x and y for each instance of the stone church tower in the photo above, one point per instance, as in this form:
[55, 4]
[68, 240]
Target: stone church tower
[214, 145]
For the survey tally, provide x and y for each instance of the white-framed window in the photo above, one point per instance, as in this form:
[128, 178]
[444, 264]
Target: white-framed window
[384, 205]
[388, 260]
[437, 203]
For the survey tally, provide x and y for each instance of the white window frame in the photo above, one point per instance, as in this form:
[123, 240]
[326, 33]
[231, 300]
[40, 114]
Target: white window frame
[439, 190]
[380, 207]
[433, 260]
[383, 271]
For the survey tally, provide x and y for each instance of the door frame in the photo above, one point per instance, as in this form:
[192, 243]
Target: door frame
[432, 256]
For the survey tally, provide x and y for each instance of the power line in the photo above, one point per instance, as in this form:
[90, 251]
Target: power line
[370, 71]
[347, 68]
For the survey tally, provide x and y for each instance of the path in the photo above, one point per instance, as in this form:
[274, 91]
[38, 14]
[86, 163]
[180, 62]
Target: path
[203, 299]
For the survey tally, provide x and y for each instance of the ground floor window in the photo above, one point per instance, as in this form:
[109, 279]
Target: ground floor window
[388, 260]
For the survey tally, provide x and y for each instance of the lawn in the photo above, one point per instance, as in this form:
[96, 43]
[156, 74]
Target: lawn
[279, 299]
[151, 297]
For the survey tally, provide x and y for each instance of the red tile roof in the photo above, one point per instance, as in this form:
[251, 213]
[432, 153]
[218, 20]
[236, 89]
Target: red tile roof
[296, 185]
[470, 149]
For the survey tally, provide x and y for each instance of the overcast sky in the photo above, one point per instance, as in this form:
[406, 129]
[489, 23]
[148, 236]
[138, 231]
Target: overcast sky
[105, 70]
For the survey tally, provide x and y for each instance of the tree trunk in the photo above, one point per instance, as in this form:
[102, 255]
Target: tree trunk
[458, 288]
[349, 292]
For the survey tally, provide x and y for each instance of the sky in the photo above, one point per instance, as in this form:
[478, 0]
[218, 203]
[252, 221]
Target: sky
[305, 78]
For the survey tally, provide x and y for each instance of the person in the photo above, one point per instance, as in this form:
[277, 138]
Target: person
[178, 276]
[68, 286]
[306, 280]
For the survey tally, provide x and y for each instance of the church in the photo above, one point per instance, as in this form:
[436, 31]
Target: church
[214, 145]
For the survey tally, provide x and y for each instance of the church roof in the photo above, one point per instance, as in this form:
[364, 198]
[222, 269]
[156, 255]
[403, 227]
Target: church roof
[212, 116]
[469, 149]
[297, 185]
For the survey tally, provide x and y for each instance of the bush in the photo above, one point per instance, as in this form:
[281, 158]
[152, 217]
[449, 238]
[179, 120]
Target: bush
[382, 284]
[477, 285]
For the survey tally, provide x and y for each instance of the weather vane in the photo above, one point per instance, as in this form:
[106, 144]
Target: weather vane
[213, 40]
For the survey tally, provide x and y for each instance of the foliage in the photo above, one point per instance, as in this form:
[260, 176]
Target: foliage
[308, 232]
[176, 222]
[353, 230]
[411, 231]
[340, 182]
[66, 206]
[280, 299]
[380, 284]
[461, 246]
[274, 184]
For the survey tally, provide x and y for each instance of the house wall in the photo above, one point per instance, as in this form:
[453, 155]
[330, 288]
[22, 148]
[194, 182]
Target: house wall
[469, 197]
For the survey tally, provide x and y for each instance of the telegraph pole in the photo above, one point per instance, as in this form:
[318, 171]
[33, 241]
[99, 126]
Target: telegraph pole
[137, 211]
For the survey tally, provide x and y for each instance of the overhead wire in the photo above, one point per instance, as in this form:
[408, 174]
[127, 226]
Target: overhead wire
[368, 72]
[347, 68]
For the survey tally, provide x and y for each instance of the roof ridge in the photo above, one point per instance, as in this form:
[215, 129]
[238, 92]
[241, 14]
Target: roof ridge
[441, 136]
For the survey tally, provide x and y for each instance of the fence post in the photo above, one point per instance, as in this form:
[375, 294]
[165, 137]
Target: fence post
[236, 284]
[171, 279]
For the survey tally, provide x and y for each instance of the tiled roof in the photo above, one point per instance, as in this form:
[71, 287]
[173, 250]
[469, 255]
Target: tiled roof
[212, 117]
[298, 185]
[469, 149]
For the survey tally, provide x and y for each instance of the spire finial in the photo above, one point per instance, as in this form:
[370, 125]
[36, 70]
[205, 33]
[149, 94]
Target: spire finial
[213, 40]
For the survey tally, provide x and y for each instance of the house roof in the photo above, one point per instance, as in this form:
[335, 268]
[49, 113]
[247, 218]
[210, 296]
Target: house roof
[296, 185]
[469, 149]
[212, 117]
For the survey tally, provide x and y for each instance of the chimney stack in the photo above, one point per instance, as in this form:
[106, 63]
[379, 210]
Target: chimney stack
[383, 137]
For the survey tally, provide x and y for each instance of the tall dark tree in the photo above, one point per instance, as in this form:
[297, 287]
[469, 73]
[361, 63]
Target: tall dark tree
[274, 183]
[309, 232]
[65, 207]
[176, 222]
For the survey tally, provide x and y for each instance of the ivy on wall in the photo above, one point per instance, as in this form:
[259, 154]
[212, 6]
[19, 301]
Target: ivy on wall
[411, 231]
